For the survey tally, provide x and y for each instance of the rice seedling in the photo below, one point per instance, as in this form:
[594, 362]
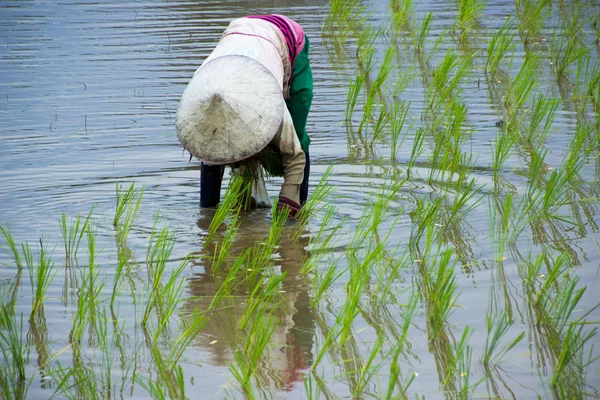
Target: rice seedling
[519, 91]
[127, 207]
[500, 223]
[500, 45]
[497, 327]
[463, 354]
[567, 48]
[531, 18]
[354, 90]
[247, 358]
[468, 13]
[11, 245]
[501, 151]
[402, 12]
[368, 368]
[159, 250]
[41, 275]
[423, 33]
[72, 234]
[229, 207]
[397, 118]
[438, 289]
[320, 197]
[14, 382]
[395, 370]
[417, 150]
[88, 299]
[447, 78]
[542, 110]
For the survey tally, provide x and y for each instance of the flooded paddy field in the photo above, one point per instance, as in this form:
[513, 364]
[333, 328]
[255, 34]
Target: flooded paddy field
[449, 248]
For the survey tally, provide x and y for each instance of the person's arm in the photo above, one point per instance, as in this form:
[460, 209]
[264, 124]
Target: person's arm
[292, 161]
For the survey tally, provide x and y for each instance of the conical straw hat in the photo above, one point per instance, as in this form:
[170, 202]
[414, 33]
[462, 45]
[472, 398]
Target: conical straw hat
[231, 109]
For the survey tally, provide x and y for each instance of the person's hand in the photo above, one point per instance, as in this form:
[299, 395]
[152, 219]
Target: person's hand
[291, 205]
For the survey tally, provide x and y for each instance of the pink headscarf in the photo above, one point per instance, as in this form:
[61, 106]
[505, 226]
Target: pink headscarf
[291, 30]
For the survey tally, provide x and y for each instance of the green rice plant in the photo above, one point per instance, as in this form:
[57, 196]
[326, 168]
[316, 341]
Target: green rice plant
[397, 118]
[88, 299]
[247, 358]
[354, 90]
[261, 299]
[542, 110]
[160, 248]
[587, 80]
[72, 233]
[571, 364]
[195, 324]
[312, 393]
[402, 12]
[76, 382]
[423, 217]
[439, 289]
[123, 254]
[369, 368]
[468, 12]
[500, 224]
[222, 249]
[447, 78]
[567, 48]
[41, 275]
[382, 121]
[423, 33]
[324, 281]
[374, 89]
[316, 202]
[11, 245]
[532, 15]
[14, 383]
[500, 45]
[169, 382]
[359, 279]
[324, 239]
[229, 207]
[408, 317]
[520, 89]
[497, 327]
[417, 150]
[463, 354]
[501, 150]
[554, 297]
[127, 207]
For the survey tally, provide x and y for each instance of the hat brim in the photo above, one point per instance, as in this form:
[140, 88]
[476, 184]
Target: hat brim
[231, 109]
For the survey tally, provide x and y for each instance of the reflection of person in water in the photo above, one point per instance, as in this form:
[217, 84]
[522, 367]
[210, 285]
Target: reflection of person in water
[290, 349]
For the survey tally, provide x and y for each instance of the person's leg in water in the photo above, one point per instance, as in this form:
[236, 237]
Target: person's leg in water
[304, 185]
[211, 177]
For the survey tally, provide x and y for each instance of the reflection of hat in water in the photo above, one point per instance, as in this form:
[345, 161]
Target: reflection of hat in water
[231, 109]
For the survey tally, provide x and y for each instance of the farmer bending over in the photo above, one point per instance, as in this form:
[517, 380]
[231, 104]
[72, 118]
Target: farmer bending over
[251, 94]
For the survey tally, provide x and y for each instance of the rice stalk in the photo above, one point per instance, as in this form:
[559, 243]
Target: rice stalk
[41, 276]
[500, 45]
[72, 233]
[497, 328]
[14, 383]
[11, 245]
[127, 207]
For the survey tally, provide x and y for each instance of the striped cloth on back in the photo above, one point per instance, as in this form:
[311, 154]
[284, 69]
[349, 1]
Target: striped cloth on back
[291, 30]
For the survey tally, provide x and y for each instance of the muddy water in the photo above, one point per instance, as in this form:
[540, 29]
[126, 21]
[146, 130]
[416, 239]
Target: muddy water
[88, 94]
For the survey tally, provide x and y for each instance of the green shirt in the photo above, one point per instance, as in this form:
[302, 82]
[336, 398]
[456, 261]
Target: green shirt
[301, 94]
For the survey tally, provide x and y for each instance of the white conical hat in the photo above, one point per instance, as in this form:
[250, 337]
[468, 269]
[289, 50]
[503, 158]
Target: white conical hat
[231, 109]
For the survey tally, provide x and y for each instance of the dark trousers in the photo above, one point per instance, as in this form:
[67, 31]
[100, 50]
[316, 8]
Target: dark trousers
[211, 177]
